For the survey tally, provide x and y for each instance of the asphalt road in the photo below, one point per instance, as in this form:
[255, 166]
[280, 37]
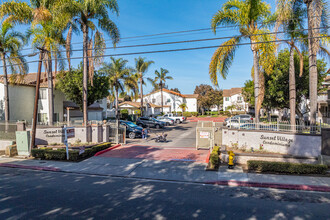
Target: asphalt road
[26, 194]
[179, 135]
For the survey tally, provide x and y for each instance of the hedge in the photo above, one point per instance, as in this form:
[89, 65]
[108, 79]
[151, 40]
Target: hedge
[286, 167]
[60, 154]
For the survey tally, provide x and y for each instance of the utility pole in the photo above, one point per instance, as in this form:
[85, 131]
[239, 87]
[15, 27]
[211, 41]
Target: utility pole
[36, 99]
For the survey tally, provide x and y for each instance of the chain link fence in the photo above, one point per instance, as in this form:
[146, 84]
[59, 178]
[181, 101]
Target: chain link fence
[8, 130]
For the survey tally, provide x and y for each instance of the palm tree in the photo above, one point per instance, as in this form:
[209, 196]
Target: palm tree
[119, 77]
[85, 13]
[317, 18]
[153, 82]
[47, 25]
[292, 24]
[183, 106]
[11, 42]
[49, 37]
[141, 67]
[248, 16]
[161, 77]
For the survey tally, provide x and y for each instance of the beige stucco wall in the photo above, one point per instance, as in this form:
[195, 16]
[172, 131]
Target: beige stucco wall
[284, 143]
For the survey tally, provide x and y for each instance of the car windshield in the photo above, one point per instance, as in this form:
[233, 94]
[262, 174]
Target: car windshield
[131, 124]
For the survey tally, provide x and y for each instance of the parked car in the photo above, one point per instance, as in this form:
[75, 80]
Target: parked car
[132, 130]
[261, 127]
[176, 118]
[168, 121]
[149, 122]
[240, 118]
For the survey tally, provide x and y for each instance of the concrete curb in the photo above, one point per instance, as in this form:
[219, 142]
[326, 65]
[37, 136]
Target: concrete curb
[10, 165]
[271, 185]
[106, 150]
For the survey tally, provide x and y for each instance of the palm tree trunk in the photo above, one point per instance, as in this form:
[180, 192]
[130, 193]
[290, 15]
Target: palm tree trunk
[50, 90]
[292, 90]
[116, 104]
[161, 94]
[5, 81]
[85, 74]
[141, 89]
[312, 64]
[256, 84]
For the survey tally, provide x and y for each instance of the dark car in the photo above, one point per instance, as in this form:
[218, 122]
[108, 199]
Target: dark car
[132, 130]
[149, 122]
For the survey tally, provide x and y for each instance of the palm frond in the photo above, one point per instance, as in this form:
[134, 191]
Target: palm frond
[222, 59]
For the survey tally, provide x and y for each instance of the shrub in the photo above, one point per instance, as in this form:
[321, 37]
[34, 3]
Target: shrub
[194, 114]
[124, 114]
[187, 114]
[179, 113]
[216, 149]
[60, 154]
[286, 167]
[214, 160]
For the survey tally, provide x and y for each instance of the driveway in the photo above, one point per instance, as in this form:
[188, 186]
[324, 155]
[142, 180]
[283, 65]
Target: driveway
[179, 135]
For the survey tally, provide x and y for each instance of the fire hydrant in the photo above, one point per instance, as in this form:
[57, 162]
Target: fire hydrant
[231, 159]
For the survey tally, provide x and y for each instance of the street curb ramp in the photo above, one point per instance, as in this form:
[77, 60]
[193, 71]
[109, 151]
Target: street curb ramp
[106, 150]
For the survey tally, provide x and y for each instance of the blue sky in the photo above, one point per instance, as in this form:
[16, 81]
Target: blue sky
[188, 68]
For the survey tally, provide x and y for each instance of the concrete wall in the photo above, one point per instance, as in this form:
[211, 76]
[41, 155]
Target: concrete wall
[284, 143]
[95, 134]
[4, 144]
[191, 104]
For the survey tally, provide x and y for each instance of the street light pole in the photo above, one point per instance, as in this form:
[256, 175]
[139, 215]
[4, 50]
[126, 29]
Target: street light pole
[35, 110]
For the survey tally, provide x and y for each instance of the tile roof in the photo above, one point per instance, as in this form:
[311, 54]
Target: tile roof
[231, 92]
[134, 104]
[29, 79]
[191, 95]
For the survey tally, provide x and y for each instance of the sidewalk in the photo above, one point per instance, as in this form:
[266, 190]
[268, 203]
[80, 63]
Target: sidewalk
[173, 171]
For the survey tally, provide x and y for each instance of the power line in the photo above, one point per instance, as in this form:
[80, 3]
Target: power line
[196, 40]
[175, 32]
[176, 50]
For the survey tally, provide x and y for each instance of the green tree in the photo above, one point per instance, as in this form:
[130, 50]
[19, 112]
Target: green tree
[204, 100]
[292, 26]
[46, 29]
[11, 42]
[317, 14]
[70, 84]
[175, 90]
[90, 15]
[277, 86]
[217, 98]
[161, 78]
[141, 67]
[119, 75]
[247, 14]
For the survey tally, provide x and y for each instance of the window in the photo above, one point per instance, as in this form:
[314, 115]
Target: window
[239, 98]
[153, 100]
[43, 94]
[168, 100]
[227, 99]
[42, 117]
[56, 117]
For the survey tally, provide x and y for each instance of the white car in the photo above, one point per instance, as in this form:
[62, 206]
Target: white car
[168, 121]
[177, 119]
